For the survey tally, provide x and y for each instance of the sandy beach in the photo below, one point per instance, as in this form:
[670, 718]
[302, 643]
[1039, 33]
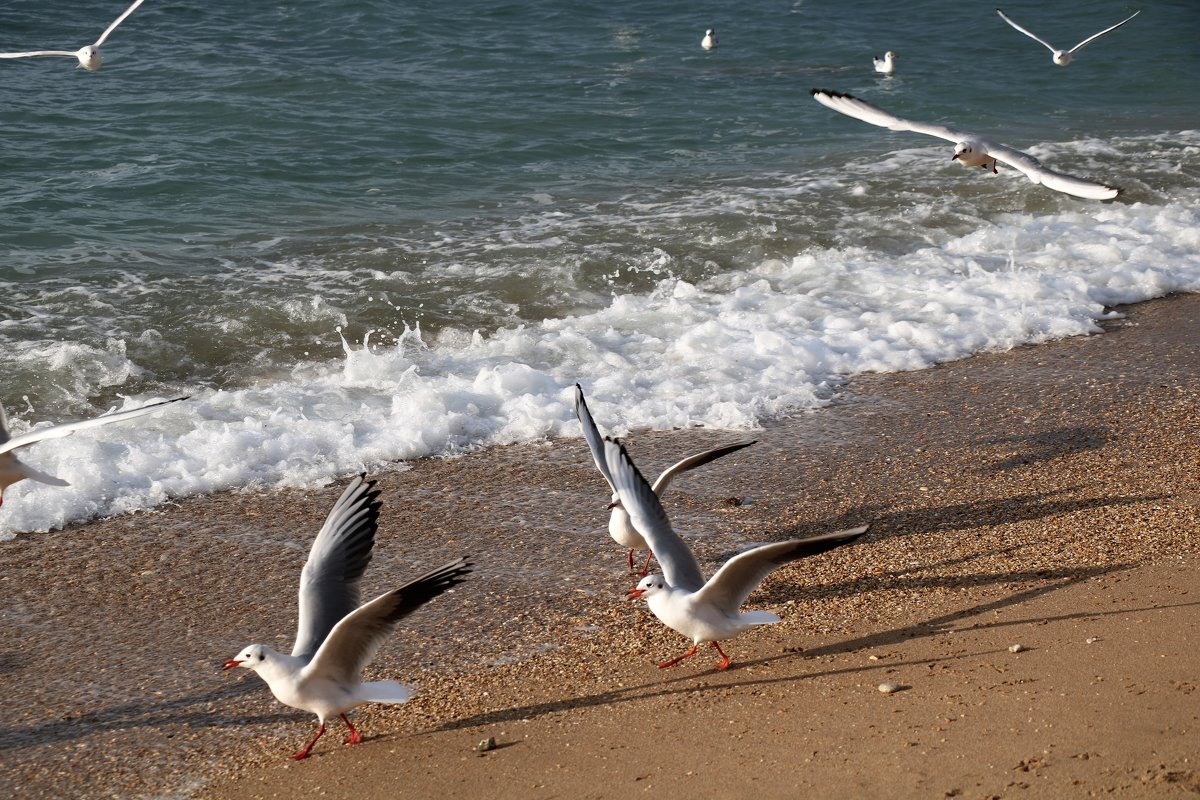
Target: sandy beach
[1045, 497]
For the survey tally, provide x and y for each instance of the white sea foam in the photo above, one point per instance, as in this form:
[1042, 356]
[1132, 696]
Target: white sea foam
[723, 351]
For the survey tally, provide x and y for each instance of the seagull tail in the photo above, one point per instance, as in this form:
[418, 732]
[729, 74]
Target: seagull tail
[759, 617]
[384, 692]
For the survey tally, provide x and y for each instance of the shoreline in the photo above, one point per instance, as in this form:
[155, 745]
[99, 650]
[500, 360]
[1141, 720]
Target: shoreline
[1065, 464]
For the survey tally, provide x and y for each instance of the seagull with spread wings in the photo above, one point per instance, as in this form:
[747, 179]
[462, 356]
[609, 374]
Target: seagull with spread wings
[1063, 57]
[89, 55]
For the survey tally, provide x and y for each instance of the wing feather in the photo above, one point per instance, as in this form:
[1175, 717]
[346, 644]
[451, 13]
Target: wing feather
[67, 428]
[68, 53]
[1058, 181]
[1029, 33]
[118, 21]
[592, 434]
[691, 462]
[860, 109]
[1095, 36]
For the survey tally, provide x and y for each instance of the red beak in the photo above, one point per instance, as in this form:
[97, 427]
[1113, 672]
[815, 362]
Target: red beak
[231, 663]
[954, 157]
[635, 593]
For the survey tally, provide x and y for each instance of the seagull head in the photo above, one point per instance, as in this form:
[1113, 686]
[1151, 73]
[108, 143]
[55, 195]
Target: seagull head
[250, 658]
[89, 57]
[889, 55]
[649, 585]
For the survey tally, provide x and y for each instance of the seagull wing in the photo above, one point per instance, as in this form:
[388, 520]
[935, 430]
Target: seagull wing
[354, 641]
[68, 53]
[118, 21]
[1057, 181]
[742, 574]
[66, 429]
[650, 520]
[852, 106]
[691, 462]
[1101, 33]
[1030, 34]
[339, 555]
[4, 435]
[592, 434]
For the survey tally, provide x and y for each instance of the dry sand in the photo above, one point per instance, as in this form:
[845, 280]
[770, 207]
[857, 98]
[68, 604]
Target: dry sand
[1046, 497]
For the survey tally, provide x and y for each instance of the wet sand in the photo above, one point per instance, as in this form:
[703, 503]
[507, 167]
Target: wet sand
[1044, 496]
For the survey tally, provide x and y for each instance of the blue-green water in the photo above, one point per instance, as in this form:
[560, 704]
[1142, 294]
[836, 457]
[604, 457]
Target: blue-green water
[511, 197]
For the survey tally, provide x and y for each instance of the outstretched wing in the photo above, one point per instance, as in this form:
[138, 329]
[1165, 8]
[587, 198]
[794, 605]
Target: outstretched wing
[118, 21]
[67, 53]
[1058, 181]
[354, 641]
[66, 429]
[1030, 34]
[650, 520]
[691, 462]
[592, 434]
[1095, 36]
[852, 106]
[339, 555]
[742, 574]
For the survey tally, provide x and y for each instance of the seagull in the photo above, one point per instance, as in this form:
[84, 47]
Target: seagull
[619, 526]
[680, 597]
[886, 65]
[969, 148]
[710, 39]
[12, 470]
[88, 55]
[1063, 57]
[337, 637]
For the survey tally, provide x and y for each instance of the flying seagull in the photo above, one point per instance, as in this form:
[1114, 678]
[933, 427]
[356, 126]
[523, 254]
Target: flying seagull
[619, 526]
[336, 637]
[969, 148]
[680, 597]
[13, 470]
[1063, 57]
[89, 55]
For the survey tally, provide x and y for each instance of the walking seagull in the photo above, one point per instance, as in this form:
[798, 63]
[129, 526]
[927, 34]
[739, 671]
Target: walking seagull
[13, 470]
[680, 597]
[969, 148]
[619, 526]
[337, 637]
[89, 55]
[1063, 57]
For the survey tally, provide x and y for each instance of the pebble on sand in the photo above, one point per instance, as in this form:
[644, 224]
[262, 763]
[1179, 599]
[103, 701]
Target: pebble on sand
[890, 688]
[1017, 648]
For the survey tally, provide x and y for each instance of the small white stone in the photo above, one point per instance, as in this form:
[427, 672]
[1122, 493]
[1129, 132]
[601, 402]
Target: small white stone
[1092, 639]
[872, 658]
[889, 688]
[1017, 648]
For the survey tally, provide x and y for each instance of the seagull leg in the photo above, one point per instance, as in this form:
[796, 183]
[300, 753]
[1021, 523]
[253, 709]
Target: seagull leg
[355, 737]
[646, 567]
[724, 658]
[629, 556]
[304, 753]
[674, 661]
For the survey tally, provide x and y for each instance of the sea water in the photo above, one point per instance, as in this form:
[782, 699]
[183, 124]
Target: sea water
[362, 232]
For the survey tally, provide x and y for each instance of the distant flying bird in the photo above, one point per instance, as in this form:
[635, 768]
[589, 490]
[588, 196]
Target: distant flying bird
[710, 39]
[969, 148]
[703, 611]
[886, 65]
[619, 526]
[89, 55]
[12, 470]
[337, 637]
[1063, 57]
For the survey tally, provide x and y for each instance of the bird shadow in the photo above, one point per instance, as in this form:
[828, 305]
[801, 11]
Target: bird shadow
[1045, 446]
[939, 625]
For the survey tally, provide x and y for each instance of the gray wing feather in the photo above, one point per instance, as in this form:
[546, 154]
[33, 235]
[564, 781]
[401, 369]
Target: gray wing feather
[592, 434]
[691, 462]
[1095, 36]
[339, 555]
[650, 520]
[742, 574]
[1058, 181]
[354, 641]
[66, 429]
[1029, 33]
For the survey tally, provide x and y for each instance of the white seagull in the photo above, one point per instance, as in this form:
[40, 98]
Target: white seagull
[680, 597]
[1063, 57]
[619, 526]
[89, 55]
[336, 637]
[969, 148]
[886, 65]
[12, 470]
[710, 39]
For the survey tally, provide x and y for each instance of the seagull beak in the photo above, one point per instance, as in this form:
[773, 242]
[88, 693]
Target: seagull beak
[954, 157]
[231, 663]
[613, 504]
[634, 594]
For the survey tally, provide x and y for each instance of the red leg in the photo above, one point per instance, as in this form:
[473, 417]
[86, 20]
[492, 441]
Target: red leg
[304, 753]
[629, 556]
[646, 566]
[674, 661]
[724, 658]
[355, 737]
